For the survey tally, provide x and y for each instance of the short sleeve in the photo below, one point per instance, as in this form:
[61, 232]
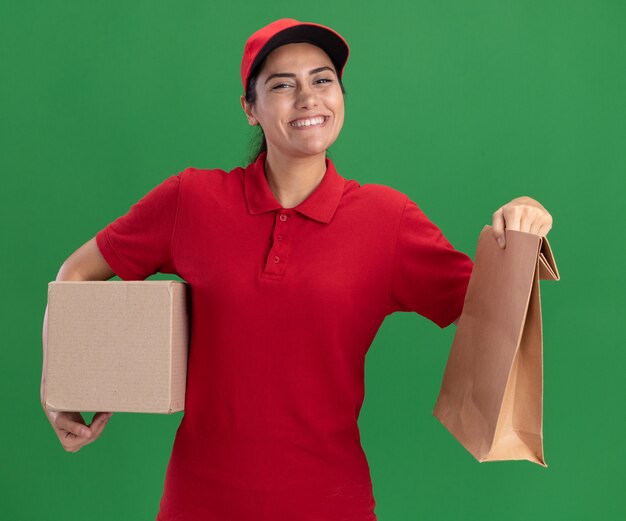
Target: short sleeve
[429, 276]
[138, 244]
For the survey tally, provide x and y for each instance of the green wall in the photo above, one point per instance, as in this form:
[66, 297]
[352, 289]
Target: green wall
[461, 105]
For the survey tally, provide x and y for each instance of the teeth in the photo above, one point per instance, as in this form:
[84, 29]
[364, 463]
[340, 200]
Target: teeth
[308, 122]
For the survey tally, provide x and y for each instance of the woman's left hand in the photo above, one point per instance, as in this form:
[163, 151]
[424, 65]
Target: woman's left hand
[522, 214]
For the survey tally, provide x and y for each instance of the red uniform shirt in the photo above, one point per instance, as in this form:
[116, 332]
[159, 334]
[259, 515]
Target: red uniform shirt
[285, 305]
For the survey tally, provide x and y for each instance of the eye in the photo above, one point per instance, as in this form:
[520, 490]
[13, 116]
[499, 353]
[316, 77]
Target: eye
[280, 85]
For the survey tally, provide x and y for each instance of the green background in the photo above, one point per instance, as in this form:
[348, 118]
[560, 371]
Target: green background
[461, 105]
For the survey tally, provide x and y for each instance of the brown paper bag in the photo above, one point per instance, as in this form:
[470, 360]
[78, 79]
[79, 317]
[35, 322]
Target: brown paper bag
[491, 397]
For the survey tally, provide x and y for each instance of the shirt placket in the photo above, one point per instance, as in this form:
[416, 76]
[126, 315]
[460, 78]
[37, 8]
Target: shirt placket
[278, 256]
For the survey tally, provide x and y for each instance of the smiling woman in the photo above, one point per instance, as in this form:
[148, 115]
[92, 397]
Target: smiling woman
[292, 269]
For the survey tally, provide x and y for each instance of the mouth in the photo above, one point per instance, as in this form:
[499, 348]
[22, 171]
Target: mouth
[309, 123]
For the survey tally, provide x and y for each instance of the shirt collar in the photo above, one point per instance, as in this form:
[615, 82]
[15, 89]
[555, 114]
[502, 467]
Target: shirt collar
[319, 205]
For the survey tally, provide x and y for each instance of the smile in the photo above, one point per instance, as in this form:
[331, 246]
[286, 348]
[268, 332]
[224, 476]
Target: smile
[308, 123]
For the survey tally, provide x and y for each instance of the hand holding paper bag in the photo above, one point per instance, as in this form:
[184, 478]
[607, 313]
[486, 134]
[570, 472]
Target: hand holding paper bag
[491, 397]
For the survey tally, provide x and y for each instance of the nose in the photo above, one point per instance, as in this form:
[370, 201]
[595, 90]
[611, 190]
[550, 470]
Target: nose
[306, 97]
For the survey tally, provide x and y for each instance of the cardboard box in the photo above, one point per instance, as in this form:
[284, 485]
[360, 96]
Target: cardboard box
[117, 346]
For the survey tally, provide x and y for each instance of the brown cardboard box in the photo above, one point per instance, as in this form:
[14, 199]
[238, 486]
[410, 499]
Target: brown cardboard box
[117, 346]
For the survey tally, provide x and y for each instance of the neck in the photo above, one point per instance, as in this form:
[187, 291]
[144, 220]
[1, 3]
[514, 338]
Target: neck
[293, 179]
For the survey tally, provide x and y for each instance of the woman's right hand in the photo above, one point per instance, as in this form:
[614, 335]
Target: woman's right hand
[72, 431]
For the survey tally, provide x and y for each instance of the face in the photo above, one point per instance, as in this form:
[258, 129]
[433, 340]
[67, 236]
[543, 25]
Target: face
[297, 84]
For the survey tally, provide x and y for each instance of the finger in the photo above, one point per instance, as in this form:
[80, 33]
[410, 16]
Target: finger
[73, 443]
[512, 216]
[63, 422]
[99, 421]
[536, 226]
[498, 227]
[544, 229]
[101, 416]
[542, 224]
[526, 220]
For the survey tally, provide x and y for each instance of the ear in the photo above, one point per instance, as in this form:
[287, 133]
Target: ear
[247, 108]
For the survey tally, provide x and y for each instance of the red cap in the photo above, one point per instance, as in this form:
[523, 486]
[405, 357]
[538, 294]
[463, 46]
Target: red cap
[288, 30]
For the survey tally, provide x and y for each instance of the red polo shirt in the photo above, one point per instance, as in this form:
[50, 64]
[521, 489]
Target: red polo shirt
[285, 304]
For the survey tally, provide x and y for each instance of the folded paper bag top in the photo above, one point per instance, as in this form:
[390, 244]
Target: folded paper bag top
[116, 346]
[491, 397]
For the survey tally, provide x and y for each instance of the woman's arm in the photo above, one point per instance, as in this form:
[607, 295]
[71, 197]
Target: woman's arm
[86, 263]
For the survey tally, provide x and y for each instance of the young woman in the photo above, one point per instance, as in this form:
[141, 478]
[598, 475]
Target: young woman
[292, 270]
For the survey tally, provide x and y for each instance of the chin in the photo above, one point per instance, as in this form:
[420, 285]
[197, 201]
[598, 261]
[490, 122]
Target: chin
[314, 151]
[311, 150]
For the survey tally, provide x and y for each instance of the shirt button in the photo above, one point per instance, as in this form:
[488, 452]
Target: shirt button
[279, 237]
[283, 217]
[276, 258]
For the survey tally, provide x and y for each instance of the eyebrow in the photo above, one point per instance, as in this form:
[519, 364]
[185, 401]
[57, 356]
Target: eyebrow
[291, 75]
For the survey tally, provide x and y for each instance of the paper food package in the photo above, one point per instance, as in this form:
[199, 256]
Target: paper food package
[491, 397]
